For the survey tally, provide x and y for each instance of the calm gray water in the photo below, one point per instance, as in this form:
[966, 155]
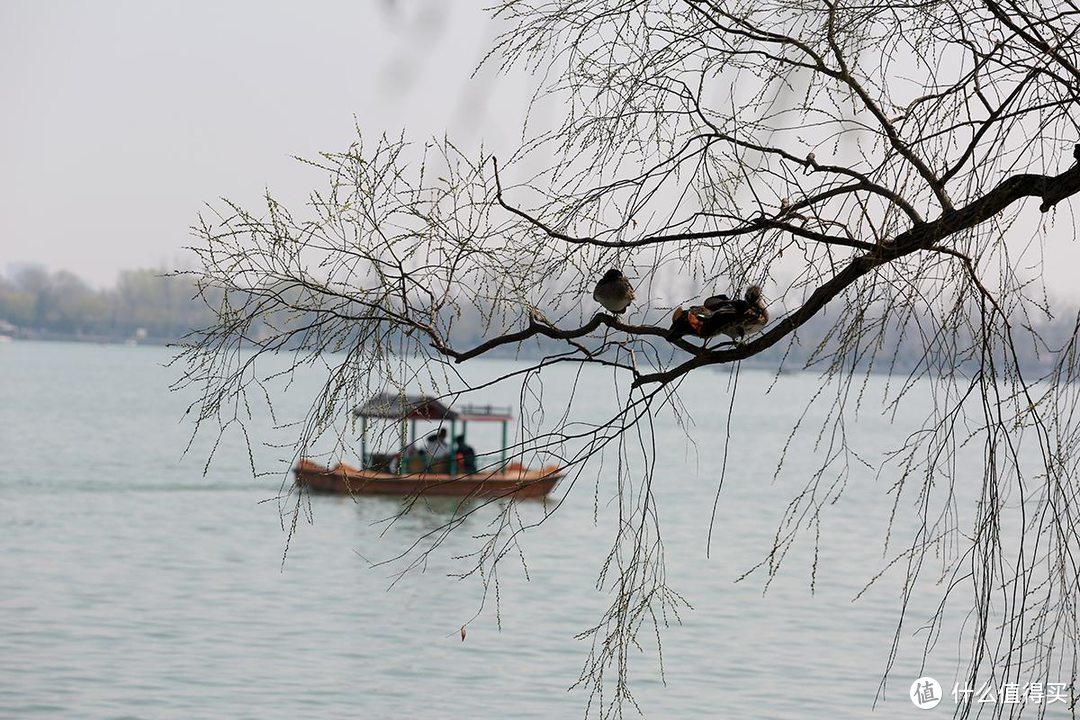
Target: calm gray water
[135, 586]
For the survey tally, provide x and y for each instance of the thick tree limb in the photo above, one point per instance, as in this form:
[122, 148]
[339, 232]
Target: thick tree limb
[538, 328]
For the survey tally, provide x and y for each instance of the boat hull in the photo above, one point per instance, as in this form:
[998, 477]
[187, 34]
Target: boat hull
[514, 481]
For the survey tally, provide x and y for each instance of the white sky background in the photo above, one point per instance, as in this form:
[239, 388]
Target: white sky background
[119, 120]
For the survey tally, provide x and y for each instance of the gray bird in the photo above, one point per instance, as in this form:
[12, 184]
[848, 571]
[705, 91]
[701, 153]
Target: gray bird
[614, 292]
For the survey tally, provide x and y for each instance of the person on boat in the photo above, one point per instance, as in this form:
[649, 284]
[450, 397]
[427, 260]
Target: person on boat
[438, 452]
[414, 457]
[413, 460]
[437, 448]
[466, 455]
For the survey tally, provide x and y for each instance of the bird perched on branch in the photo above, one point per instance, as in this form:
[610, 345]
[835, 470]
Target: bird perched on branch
[750, 315]
[701, 320]
[614, 292]
[698, 320]
[715, 302]
[720, 314]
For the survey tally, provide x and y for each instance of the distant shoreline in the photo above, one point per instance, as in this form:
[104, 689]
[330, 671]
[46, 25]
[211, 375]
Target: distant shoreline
[24, 335]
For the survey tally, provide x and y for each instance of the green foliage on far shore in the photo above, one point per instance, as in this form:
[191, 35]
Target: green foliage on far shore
[145, 304]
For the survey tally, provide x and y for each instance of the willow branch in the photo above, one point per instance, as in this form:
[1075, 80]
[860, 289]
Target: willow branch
[1051, 189]
[538, 328]
[752, 226]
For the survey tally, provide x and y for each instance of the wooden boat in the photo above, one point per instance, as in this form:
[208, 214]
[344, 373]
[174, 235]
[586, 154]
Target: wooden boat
[409, 472]
[513, 481]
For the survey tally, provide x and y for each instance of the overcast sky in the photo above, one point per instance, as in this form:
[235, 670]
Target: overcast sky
[120, 119]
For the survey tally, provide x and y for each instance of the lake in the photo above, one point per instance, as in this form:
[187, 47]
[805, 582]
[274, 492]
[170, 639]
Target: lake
[137, 586]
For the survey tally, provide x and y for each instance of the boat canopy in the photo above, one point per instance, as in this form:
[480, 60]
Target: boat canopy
[404, 407]
[391, 406]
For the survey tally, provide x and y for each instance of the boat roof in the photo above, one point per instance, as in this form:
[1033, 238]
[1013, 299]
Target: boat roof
[482, 413]
[396, 406]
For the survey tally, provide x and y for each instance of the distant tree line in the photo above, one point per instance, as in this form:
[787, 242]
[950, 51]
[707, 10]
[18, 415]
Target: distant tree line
[160, 306]
[145, 304]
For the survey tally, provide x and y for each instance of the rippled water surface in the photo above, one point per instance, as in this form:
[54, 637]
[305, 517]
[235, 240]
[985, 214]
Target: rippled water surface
[136, 586]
